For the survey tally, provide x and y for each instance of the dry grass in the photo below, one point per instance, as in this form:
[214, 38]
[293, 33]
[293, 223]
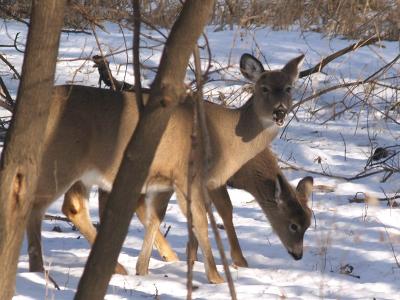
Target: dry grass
[350, 18]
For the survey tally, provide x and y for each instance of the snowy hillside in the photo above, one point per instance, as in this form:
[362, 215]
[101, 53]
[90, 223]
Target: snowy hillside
[352, 250]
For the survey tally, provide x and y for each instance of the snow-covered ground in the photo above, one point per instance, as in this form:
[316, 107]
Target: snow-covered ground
[342, 236]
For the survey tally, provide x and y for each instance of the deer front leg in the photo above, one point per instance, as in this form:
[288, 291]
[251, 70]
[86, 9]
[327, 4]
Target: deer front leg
[161, 243]
[200, 226]
[75, 208]
[156, 206]
[223, 204]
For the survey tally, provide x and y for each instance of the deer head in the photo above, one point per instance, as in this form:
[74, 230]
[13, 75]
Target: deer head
[289, 214]
[272, 92]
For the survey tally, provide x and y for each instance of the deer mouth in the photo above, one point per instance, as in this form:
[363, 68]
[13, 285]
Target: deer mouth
[279, 117]
[296, 256]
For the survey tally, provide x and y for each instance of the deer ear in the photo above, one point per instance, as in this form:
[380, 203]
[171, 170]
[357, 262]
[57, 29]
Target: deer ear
[293, 66]
[251, 67]
[278, 191]
[304, 189]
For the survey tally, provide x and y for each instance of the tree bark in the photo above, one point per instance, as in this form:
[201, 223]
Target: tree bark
[166, 91]
[22, 153]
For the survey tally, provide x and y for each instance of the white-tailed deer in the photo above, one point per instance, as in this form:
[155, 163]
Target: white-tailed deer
[285, 208]
[91, 127]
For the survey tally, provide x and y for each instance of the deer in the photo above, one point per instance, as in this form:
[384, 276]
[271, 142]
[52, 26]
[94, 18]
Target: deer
[286, 209]
[85, 148]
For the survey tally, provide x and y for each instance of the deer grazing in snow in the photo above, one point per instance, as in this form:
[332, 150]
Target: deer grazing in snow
[85, 148]
[286, 209]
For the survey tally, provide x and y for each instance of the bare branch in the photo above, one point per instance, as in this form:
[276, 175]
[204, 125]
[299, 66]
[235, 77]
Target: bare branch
[206, 159]
[318, 67]
[11, 66]
[136, 57]
[360, 175]
[9, 103]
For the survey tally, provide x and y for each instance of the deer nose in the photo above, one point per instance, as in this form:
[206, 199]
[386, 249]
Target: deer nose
[296, 256]
[279, 115]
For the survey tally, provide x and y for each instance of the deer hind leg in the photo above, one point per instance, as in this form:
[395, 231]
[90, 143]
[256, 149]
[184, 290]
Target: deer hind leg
[33, 230]
[161, 243]
[200, 226]
[76, 209]
[223, 204]
[155, 206]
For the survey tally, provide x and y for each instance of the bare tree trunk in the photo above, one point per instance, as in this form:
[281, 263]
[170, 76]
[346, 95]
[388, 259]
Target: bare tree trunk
[166, 91]
[22, 153]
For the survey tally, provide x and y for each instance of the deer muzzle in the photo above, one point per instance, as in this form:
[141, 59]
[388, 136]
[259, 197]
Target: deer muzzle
[296, 256]
[279, 115]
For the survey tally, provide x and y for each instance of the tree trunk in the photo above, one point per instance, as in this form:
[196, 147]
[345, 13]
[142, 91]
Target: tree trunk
[166, 91]
[22, 153]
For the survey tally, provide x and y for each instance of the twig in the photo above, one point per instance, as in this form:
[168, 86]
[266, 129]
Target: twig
[76, 31]
[382, 69]
[148, 23]
[191, 173]
[9, 103]
[82, 10]
[206, 160]
[7, 11]
[318, 67]
[57, 218]
[126, 53]
[4, 9]
[49, 278]
[14, 45]
[345, 146]
[167, 231]
[369, 79]
[357, 199]
[11, 66]
[391, 246]
[390, 242]
[136, 58]
[360, 175]
[325, 91]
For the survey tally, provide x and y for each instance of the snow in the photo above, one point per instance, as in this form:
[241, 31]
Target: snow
[365, 237]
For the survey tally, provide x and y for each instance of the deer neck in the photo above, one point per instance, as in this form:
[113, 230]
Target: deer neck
[237, 137]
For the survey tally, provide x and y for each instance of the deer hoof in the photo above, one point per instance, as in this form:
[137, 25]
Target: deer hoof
[120, 269]
[216, 279]
[241, 262]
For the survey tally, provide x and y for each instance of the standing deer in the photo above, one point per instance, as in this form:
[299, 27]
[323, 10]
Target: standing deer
[260, 175]
[90, 129]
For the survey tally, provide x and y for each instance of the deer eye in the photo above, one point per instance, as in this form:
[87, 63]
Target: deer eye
[288, 89]
[265, 89]
[293, 227]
